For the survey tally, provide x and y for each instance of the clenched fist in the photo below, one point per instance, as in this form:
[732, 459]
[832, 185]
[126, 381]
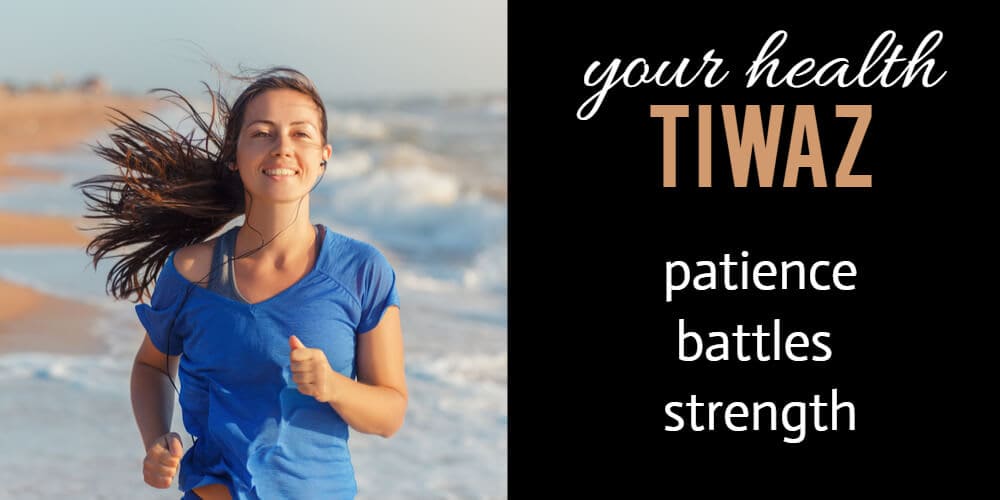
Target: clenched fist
[162, 459]
[311, 371]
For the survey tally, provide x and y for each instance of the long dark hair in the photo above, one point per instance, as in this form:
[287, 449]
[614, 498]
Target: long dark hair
[173, 190]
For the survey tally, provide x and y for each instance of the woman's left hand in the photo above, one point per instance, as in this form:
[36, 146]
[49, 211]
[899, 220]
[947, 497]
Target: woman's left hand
[311, 371]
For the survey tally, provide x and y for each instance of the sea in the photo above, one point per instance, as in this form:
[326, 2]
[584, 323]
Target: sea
[423, 179]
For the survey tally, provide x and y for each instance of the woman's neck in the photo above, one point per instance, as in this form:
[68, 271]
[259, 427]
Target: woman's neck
[286, 226]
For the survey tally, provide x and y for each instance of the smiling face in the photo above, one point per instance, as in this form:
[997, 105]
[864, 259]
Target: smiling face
[280, 146]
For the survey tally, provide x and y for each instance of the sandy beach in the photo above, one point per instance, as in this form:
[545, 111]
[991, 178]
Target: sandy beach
[46, 122]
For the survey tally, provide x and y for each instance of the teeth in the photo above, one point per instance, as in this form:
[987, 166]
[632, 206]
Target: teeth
[279, 171]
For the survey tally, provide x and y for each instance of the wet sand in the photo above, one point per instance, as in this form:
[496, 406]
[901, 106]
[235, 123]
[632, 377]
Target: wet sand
[47, 122]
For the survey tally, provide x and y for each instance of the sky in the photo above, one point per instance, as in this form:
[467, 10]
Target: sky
[349, 48]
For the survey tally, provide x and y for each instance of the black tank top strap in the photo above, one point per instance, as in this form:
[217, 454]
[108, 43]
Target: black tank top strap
[222, 281]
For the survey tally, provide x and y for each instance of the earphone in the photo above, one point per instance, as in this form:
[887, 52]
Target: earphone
[322, 164]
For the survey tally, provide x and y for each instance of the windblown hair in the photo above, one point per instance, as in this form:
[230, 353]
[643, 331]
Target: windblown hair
[173, 190]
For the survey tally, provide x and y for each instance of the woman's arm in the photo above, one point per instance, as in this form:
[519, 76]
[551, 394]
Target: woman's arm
[153, 406]
[152, 393]
[376, 402]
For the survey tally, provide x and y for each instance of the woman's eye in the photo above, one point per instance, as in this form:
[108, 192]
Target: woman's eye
[259, 133]
[302, 134]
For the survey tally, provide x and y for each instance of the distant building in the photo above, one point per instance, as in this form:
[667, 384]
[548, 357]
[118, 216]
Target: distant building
[36, 88]
[95, 85]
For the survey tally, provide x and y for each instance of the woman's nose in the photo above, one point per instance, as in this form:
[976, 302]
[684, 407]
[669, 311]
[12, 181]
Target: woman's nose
[282, 146]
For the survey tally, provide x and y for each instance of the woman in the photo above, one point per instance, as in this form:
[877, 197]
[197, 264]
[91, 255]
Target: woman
[269, 323]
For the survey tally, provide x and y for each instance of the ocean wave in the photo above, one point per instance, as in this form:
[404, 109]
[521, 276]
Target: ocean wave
[348, 164]
[489, 270]
[356, 125]
[99, 373]
[464, 369]
[418, 211]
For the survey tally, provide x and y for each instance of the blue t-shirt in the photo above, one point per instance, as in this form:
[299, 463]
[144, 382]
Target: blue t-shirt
[255, 431]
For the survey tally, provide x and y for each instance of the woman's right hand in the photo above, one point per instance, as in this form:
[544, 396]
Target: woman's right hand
[163, 458]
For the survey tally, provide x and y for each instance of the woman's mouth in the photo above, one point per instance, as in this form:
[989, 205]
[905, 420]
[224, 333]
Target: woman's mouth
[279, 172]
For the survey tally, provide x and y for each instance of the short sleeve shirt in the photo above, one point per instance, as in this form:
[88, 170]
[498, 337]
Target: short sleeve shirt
[255, 432]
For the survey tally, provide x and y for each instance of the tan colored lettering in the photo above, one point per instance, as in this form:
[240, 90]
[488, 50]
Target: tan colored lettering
[752, 143]
[864, 117]
[804, 130]
[670, 114]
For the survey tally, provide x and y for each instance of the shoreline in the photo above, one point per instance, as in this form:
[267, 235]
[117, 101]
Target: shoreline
[35, 123]
[34, 229]
[28, 323]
